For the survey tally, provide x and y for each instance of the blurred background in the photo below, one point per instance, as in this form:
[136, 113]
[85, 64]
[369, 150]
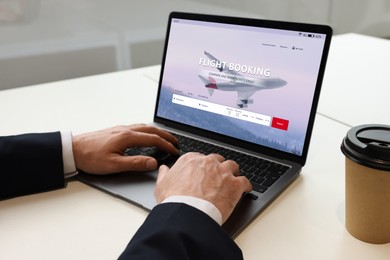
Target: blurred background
[49, 40]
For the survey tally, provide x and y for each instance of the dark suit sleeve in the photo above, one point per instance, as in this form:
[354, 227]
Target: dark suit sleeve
[179, 231]
[30, 163]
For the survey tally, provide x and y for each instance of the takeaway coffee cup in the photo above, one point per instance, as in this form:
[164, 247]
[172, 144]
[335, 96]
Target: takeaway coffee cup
[367, 182]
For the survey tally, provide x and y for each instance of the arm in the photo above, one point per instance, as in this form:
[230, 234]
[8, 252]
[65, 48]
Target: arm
[30, 163]
[179, 231]
[33, 163]
[101, 152]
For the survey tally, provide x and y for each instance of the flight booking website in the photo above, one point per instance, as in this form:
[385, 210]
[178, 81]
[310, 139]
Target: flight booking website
[254, 84]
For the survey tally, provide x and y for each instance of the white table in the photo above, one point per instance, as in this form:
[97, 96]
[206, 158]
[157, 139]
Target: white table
[356, 87]
[305, 222]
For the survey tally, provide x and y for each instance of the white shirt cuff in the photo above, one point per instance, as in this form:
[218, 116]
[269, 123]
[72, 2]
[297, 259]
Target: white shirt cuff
[201, 204]
[67, 154]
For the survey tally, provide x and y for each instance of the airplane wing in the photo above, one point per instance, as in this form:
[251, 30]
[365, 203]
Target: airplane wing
[243, 95]
[212, 85]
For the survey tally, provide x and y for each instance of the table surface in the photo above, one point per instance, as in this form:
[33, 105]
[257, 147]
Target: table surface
[305, 222]
[356, 87]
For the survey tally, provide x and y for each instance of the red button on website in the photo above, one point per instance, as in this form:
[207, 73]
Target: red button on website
[280, 123]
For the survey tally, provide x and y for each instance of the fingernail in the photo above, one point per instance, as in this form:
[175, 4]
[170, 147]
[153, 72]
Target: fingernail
[151, 164]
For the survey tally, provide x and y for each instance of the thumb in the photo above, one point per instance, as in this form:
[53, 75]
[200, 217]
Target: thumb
[159, 189]
[162, 171]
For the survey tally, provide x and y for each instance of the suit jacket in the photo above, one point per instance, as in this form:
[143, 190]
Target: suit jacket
[30, 163]
[178, 231]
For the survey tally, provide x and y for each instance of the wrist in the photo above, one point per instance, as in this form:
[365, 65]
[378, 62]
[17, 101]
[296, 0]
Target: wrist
[203, 205]
[67, 154]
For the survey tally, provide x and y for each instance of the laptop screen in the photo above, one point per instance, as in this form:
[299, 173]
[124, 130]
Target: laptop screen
[247, 81]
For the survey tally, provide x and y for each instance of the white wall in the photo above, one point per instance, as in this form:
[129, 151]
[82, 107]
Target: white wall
[371, 17]
[48, 40]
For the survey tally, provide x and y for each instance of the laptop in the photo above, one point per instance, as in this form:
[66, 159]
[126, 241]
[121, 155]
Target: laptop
[248, 88]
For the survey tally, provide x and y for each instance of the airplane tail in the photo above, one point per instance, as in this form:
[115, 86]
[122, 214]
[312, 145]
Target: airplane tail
[211, 91]
[209, 84]
[205, 81]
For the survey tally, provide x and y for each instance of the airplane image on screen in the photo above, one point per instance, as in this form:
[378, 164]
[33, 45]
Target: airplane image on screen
[244, 89]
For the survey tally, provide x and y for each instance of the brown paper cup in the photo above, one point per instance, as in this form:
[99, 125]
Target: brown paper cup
[367, 183]
[367, 203]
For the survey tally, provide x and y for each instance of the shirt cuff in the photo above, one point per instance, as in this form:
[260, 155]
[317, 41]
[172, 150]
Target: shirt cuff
[67, 154]
[201, 204]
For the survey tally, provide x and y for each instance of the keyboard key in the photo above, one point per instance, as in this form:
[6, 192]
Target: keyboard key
[251, 196]
[261, 172]
[258, 180]
[271, 179]
[258, 187]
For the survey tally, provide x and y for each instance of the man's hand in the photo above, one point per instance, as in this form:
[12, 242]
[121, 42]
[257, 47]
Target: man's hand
[101, 152]
[206, 177]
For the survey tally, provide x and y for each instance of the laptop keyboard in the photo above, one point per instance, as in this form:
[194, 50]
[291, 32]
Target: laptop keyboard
[260, 172]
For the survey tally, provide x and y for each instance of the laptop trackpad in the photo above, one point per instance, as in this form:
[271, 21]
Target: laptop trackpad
[137, 188]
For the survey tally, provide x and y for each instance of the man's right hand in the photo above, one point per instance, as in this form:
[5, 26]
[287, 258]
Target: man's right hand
[207, 177]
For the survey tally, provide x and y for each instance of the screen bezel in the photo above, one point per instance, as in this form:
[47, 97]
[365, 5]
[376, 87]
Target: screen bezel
[272, 24]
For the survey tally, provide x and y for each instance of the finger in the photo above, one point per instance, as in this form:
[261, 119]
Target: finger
[244, 183]
[191, 155]
[231, 166]
[140, 139]
[217, 157]
[154, 130]
[135, 163]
